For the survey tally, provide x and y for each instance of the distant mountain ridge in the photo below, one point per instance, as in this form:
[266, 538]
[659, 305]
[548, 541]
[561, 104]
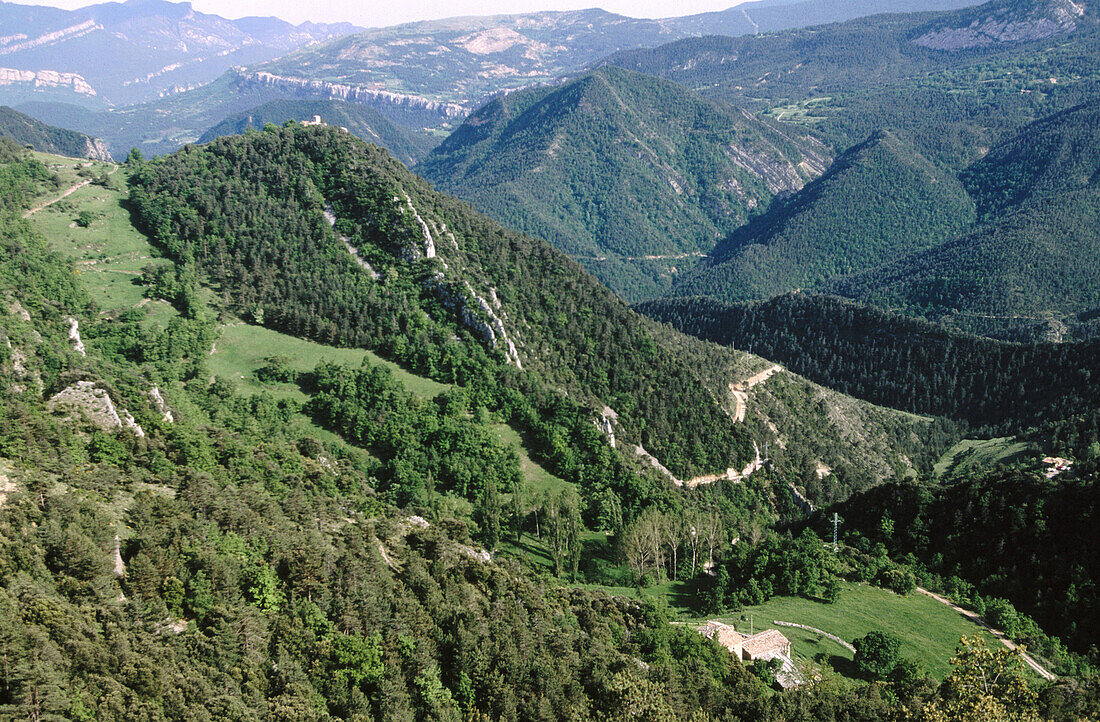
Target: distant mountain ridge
[632, 175]
[406, 145]
[1032, 260]
[423, 75]
[27, 131]
[123, 53]
[464, 60]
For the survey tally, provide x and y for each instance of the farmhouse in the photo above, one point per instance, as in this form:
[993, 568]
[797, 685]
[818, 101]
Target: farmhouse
[763, 647]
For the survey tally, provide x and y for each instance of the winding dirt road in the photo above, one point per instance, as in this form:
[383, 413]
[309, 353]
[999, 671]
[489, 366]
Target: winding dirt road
[977, 619]
[68, 192]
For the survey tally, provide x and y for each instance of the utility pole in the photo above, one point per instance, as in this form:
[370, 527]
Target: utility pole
[836, 525]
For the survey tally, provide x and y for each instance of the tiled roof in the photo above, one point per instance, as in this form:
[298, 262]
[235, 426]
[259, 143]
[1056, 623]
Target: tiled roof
[768, 640]
[724, 634]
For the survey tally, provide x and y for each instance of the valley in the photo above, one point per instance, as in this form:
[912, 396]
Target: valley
[484, 368]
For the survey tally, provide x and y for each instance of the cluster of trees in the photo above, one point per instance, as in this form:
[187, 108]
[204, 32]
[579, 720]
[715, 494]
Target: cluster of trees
[672, 546]
[754, 573]
[1011, 534]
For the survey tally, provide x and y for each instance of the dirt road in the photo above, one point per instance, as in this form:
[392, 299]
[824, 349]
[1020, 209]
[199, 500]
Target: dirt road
[977, 619]
[68, 192]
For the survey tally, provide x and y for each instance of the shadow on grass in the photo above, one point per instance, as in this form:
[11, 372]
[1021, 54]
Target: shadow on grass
[686, 595]
[844, 666]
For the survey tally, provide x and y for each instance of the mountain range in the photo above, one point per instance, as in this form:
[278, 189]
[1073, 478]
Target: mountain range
[116, 54]
[630, 175]
[164, 96]
[289, 431]
[1006, 247]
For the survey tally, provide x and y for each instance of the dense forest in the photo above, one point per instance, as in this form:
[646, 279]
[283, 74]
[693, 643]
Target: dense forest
[629, 174]
[1012, 533]
[903, 363]
[881, 200]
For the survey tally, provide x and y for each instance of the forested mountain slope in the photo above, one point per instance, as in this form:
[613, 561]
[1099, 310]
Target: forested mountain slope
[214, 559]
[626, 173]
[204, 551]
[27, 131]
[1014, 534]
[452, 294]
[407, 145]
[881, 200]
[902, 362]
[1015, 61]
[1031, 263]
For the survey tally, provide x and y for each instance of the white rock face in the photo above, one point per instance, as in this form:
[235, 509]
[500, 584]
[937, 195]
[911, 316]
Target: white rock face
[1005, 26]
[605, 425]
[353, 93]
[160, 405]
[429, 242]
[68, 33]
[85, 399]
[74, 335]
[46, 79]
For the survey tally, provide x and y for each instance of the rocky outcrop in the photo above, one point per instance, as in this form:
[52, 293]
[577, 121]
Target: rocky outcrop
[429, 242]
[1007, 25]
[604, 425]
[84, 400]
[74, 335]
[46, 79]
[477, 314]
[779, 175]
[160, 405]
[96, 149]
[491, 329]
[68, 33]
[330, 217]
[350, 93]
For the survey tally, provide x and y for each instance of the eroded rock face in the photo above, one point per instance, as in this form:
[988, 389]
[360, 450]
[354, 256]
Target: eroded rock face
[351, 93]
[74, 335]
[1007, 25]
[85, 400]
[46, 79]
[161, 406]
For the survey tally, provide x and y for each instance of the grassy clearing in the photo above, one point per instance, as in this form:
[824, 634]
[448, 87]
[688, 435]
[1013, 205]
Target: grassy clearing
[241, 349]
[929, 631]
[972, 454]
[109, 254]
[807, 112]
[539, 480]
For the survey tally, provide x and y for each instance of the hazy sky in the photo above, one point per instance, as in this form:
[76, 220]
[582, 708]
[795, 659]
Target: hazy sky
[376, 13]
